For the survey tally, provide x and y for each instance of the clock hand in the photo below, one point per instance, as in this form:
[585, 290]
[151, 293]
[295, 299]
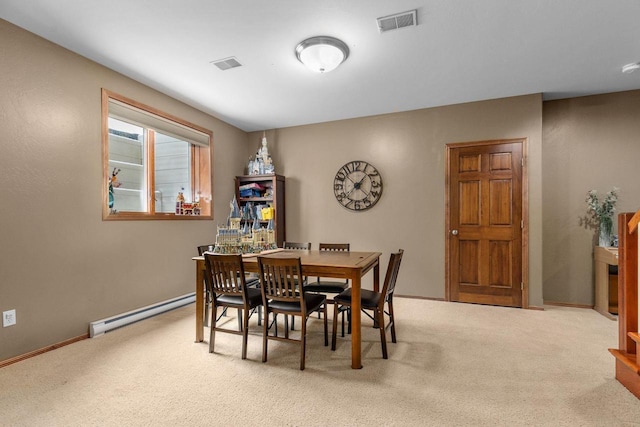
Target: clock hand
[352, 181]
[356, 185]
[352, 190]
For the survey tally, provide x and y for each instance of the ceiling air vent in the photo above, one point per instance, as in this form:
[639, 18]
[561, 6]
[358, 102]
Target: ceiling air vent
[399, 20]
[227, 63]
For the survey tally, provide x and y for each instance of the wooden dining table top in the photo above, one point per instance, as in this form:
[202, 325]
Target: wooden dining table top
[314, 261]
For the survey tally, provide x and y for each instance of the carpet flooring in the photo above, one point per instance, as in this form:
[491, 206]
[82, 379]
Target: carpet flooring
[454, 365]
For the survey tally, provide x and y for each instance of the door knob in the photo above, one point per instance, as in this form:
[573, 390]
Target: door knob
[454, 232]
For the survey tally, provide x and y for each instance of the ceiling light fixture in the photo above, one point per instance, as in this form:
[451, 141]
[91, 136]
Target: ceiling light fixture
[322, 53]
[630, 68]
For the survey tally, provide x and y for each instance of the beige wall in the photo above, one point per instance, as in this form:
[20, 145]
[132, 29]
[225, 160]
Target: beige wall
[589, 143]
[408, 149]
[61, 266]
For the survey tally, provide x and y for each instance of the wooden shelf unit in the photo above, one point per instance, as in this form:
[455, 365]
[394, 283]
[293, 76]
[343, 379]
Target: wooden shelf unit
[276, 183]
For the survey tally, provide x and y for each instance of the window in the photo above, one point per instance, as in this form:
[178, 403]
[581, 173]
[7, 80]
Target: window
[152, 161]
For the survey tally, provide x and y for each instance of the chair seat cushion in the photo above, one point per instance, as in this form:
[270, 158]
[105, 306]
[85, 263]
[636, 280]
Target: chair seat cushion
[326, 287]
[312, 302]
[254, 298]
[368, 299]
[253, 283]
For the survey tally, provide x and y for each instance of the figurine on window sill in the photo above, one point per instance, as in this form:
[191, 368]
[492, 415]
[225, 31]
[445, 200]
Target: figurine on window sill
[113, 183]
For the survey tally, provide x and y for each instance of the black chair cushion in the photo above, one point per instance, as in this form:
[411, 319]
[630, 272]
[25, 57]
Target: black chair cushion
[253, 283]
[368, 299]
[254, 298]
[326, 287]
[312, 302]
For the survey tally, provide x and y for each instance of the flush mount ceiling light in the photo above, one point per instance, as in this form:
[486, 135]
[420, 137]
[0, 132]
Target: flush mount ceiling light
[322, 53]
[630, 68]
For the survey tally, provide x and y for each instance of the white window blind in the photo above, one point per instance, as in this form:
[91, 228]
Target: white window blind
[146, 119]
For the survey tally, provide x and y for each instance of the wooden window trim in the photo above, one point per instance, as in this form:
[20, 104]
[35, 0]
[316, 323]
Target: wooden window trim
[201, 158]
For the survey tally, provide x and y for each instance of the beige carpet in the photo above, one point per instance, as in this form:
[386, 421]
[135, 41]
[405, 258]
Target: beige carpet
[454, 365]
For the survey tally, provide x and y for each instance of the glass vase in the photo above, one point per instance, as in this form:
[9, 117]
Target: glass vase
[605, 233]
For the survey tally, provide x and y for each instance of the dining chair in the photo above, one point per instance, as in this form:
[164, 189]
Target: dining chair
[280, 295]
[373, 301]
[306, 246]
[330, 286]
[207, 289]
[298, 246]
[226, 277]
[251, 280]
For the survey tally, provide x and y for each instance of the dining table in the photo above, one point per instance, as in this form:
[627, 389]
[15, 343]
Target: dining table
[350, 265]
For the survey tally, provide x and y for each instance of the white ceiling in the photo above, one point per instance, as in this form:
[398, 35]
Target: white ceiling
[461, 51]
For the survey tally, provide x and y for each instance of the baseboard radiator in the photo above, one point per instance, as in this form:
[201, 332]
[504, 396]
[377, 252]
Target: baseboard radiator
[99, 327]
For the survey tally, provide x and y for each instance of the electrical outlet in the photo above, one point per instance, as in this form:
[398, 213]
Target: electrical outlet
[8, 318]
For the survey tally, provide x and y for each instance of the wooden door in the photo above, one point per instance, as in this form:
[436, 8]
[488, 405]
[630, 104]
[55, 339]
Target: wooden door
[485, 223]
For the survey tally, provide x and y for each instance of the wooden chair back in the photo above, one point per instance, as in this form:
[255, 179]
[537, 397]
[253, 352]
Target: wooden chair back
[225, 273]
[279, 278]
[205, 248]
[390, 278]
[297, 246]
[207, 285]
[334, 247]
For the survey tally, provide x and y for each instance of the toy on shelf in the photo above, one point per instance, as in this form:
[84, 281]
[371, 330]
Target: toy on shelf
[263, 164]
[113, 183]
[234, 239]
[186, 208]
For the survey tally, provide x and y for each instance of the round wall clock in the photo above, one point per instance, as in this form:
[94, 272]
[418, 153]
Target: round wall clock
[357, 185]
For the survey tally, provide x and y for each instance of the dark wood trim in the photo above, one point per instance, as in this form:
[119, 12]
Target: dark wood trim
[43, 350]
[525, 225]
[447, 223]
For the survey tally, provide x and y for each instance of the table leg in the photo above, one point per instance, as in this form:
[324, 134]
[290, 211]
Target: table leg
[199, 300]
[356, 336]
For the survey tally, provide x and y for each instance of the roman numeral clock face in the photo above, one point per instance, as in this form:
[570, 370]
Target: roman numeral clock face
[357, 186]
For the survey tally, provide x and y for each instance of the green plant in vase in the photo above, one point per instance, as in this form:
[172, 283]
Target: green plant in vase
[602, 214]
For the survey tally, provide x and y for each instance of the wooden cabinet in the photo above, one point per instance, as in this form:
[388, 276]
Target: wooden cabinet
[270, 193]
[604, 257]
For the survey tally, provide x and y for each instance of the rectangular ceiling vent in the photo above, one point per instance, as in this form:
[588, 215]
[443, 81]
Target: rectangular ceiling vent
[397, 21]
[227, 63]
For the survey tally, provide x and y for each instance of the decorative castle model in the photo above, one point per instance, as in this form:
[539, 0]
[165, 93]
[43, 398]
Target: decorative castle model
[235, 239]
[263, 164]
